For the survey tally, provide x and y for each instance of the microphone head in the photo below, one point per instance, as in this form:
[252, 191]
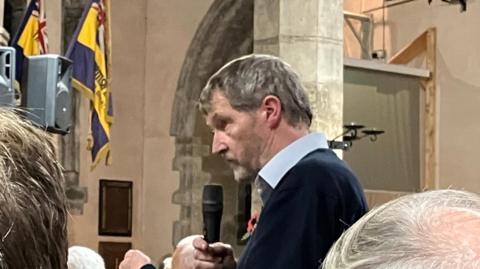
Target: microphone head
[212, 198]
[212, 208]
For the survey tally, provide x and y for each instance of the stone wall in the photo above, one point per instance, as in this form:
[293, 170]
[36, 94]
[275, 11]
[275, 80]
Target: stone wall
[224, 34]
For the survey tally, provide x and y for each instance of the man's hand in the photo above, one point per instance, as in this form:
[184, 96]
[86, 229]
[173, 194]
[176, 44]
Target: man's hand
[134, 259]
[217, 255]
[195, 253]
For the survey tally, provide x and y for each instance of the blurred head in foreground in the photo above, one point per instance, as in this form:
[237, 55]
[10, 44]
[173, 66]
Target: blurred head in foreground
[435, 229]
[33, 214]
[84, 258]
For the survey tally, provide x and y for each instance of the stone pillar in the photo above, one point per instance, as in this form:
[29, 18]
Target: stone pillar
[69, 145]
[308, 34]
[54, 13]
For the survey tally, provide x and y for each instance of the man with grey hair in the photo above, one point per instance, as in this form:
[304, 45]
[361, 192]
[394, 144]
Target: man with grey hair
[260, 116]
[33, 214]
[431, 230]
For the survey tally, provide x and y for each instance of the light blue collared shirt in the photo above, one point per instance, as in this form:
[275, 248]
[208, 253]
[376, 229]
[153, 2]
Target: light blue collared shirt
[288, 157]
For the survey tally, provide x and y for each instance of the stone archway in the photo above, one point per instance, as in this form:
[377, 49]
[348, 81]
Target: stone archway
[225, 33]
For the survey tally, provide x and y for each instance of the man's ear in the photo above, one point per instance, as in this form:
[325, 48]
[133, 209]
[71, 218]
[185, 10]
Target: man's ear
[272, 108]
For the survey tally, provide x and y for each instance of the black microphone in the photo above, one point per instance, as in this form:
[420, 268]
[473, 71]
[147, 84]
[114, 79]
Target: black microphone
[212, 208]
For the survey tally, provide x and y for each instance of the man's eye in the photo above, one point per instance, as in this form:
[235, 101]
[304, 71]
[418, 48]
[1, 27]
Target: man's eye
[221, 125]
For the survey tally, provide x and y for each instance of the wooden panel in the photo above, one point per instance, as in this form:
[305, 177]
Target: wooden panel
[115, 212]
[411, 51]
[430, 128]
[113, 252]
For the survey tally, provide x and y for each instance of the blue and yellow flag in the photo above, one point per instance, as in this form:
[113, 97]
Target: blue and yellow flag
[90, 52]
[31, 38]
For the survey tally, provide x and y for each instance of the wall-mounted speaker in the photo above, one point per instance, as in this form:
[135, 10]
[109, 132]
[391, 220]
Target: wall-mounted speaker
[46, 92]
[7, 76]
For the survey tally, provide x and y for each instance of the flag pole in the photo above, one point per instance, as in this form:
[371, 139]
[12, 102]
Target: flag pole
[108, 37]
[108, 48]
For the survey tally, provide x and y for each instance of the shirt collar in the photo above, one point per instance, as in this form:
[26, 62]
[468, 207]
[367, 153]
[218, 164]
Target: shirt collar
[286, 158]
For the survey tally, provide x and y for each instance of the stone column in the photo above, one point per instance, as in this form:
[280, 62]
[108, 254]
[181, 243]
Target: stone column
[69, 145]
[54, 13]
[308, 34]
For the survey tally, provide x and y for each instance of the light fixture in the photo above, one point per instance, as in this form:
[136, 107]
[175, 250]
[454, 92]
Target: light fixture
[351, 133]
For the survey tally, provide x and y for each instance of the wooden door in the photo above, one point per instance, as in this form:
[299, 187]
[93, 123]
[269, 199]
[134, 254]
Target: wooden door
[113, 252]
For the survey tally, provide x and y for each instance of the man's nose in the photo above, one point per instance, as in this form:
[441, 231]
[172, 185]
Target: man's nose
[218, 143]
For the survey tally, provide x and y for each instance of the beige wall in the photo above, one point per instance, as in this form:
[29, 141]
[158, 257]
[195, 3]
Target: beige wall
[458, 82]
[128, 43]
[150, 40]
[170, 29]
[458, 65]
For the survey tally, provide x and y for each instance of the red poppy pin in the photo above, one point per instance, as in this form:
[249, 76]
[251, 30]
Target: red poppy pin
[251, 225]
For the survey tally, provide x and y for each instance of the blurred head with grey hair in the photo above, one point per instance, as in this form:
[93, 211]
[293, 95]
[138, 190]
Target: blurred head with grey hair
[33, 214]
[84, 258]
[431, 230]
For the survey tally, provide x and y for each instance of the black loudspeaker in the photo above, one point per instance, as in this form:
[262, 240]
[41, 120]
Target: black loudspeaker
[46, 92]
[7, 76]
